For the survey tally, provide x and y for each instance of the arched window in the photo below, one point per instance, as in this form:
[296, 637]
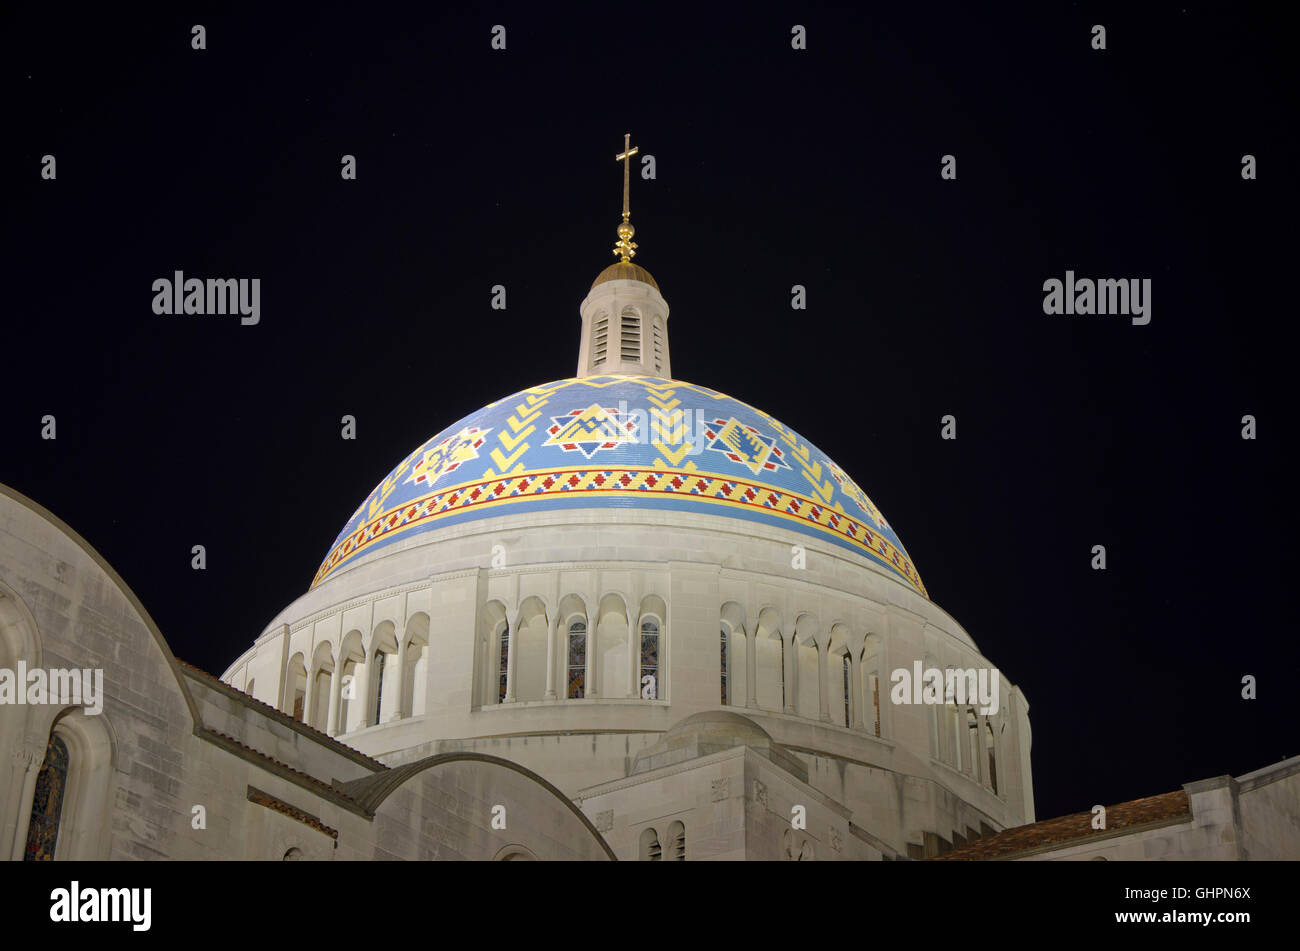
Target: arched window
[677, 842]
[73, 792]
[649, 679]
[650, 850]
[600, 339]
[295, 694]
[659, 342]
[722, 636]
[630, 336]
[577, 663]
[47, 805]
[415, 666]
[293, 855]
[385, 680]
[972, 743]
[318, 703]
[352, 658]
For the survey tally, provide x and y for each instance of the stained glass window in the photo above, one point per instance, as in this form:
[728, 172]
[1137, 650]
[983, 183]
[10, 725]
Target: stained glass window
[503, 666]
[577, 665]
[47, 804]
[723, 633]
[650, 659]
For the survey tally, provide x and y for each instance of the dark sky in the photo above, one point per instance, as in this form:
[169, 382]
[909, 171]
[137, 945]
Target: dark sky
[774, 167]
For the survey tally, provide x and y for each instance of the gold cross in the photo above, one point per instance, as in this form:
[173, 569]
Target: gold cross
[624, 157]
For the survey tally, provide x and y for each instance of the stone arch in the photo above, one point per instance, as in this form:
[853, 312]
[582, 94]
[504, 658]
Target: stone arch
[19, 637]
[630, 340]
[571, 617]
[872, 686]
[648, 847]
[318, 695]
[659, 342]
[600, 338]
[611, 662]
[349, 669]
[19, 642]
[530, 650]
[806, 667]
[40, 512]
[493, 653]
[295, 687]
[734, 656]
[515, 853]
[491, 774]
[383, 674]
[769, 662]
[83, 827]
[677, 841]
[415, 665]
[840, 693]
[991, 753]
[651, 644]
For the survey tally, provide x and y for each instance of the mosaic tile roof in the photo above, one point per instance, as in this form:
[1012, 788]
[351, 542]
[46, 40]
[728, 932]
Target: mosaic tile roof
[621, 442]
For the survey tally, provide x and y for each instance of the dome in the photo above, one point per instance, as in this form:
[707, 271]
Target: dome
[622, 442]
[625, 271]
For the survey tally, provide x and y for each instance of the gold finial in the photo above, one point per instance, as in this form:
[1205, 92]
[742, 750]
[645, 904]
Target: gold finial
[626, 246]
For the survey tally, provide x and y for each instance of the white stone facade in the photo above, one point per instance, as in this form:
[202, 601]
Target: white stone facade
[438, 609]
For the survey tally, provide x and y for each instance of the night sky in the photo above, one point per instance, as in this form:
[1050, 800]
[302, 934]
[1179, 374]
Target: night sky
[774, 167]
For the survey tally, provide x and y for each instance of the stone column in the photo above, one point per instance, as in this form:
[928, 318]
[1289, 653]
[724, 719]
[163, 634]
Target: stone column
[363, 691]
[751, 678]
[855, 692]
[589, 671]
[512, 631]
[634, 660]
[309, 704]
[731, 670]
[27, 764]
[551, 631]
[823, 687]
[332, 720]
[790, 661]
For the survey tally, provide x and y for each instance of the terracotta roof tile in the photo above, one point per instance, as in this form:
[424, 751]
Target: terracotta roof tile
[312, 780]
[1067, 829]
[282, 807]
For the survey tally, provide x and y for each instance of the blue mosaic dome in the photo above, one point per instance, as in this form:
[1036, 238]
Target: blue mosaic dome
[621, 442]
